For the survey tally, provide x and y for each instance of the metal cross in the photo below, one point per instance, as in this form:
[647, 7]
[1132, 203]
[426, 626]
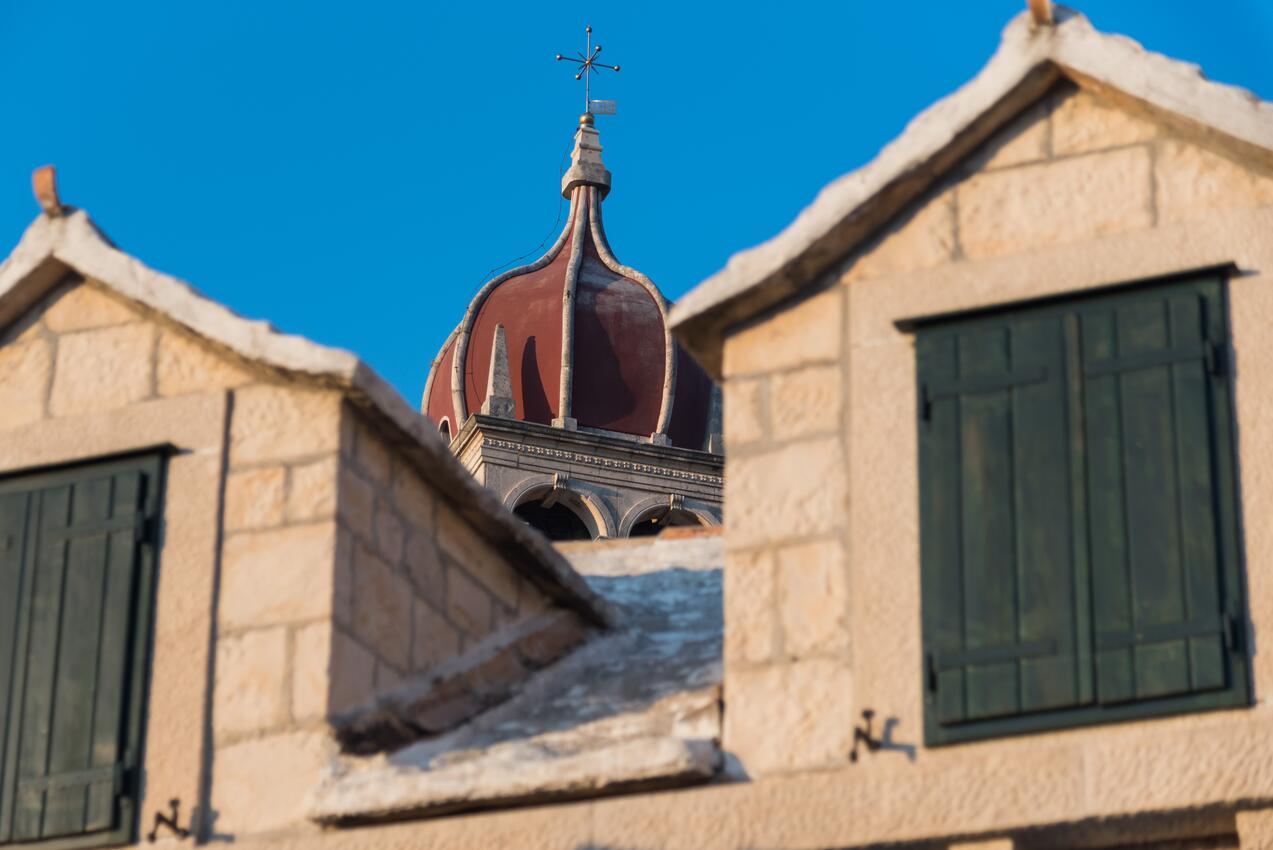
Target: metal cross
[588, 66]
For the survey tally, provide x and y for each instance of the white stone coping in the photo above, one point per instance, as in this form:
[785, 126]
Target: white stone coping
[823, 232]
[633, 710]
[51, 245]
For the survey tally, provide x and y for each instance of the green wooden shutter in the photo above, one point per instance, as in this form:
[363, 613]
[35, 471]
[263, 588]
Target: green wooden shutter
[1078, 514]
[1154, 382]
[1000, 621]
[76, 650]
[13, 523]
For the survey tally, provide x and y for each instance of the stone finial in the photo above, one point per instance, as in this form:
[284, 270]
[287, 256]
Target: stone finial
[499, 383]
[44, 184]
[586, 166]
[1041, 12]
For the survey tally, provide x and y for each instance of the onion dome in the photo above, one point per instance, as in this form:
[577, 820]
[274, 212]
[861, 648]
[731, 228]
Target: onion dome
[586, 337]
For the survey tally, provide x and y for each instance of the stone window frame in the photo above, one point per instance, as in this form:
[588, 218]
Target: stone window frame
[173, 764]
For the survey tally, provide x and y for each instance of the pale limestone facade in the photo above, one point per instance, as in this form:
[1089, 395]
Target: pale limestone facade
[307, 566]
[1085, 188]
[333, 583]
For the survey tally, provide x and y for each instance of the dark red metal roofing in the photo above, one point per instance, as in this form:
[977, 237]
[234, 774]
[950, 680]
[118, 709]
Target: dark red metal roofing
[619, 348]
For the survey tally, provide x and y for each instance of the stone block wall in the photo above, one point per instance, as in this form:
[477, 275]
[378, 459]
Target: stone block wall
[342, 572]
[276, 603]
[786, 579]
[84, 375]
[417, 586]
[345, 575]
[822, 597]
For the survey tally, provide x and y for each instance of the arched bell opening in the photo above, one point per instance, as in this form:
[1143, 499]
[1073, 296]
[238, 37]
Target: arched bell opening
[555, 521]
[540, 500]
[660, 519]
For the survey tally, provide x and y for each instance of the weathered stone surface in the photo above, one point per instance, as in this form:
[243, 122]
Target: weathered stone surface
[561, 633]
[751, 632]
[468, 603]
[813, 587]
[1210, 757]
[263, 784]
[1083, 122]
[627, 708]
[744, 410]
[186, 366]
[343, 579]
[25, 372]
[312, 493]
[520, 771]
[251, 677]
[84, 307]
[255, 498]
[353, 671]
[388, 679]
[1193, 181]
[1255, 829]
[457, 539]
[805, 332]
[425, 567]
[434, 640]
[806, 402]
[789, 717]
[373, 456]
[921, 238]
[1069, 200]
[411, 497]
[25, 327]
[390, 534]
[280, 423]
[278, 576]
[988, 844]
[356, 504]
[102, 369]
[775, 496]
[493, 677]
[177, 706]
[1024, 139]
[382, 609]
[311, 671]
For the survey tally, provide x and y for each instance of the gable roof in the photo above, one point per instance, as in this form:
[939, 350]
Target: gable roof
[1029, 61]
[53, 246]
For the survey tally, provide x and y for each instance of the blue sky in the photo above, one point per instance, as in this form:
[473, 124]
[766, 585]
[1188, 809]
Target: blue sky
[352, 172]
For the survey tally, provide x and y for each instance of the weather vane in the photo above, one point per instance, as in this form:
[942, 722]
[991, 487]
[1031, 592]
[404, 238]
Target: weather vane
[588, 66]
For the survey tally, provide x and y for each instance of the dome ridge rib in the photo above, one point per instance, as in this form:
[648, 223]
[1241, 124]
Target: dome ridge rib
[433, 367]
[579, 230]
[669, 344]
[458, 401]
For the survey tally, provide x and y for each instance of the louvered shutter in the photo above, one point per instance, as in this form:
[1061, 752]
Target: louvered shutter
[1165, 615]
[76, 652]
[1000, 629]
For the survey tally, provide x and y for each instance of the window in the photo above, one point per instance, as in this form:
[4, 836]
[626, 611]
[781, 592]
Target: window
[77, 560]
[1078, 531]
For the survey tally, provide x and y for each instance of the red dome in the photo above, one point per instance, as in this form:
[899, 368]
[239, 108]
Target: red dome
[576, 307]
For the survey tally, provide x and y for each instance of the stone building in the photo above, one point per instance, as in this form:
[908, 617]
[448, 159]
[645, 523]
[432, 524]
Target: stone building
[1020, 606]
[563, 390]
